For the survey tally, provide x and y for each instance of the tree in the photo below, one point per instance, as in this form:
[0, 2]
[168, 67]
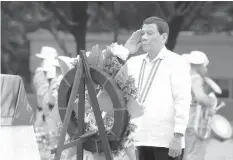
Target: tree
[104, 16]
[181, 15]
[18, 19]
[73, 17]
[218, 18]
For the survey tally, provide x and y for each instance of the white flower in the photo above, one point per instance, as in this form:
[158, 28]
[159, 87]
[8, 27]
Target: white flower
[120, 51]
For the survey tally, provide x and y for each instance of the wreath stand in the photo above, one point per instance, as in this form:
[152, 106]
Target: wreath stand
[82, 77]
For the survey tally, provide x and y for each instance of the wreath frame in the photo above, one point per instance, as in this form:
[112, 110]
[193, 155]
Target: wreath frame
[121, 117]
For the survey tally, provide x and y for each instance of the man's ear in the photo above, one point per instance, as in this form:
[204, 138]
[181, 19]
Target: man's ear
[65, 64]
[165, 37]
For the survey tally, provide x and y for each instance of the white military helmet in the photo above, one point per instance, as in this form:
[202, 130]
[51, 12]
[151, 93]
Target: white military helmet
[196, 57]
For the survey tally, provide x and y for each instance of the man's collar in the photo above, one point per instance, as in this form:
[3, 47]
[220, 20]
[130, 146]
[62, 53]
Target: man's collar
[162, 55]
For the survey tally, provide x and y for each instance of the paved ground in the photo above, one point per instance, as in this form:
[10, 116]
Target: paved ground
[219, 150]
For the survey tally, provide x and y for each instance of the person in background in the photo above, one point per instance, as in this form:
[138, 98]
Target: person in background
[45, 79]
[195, 146]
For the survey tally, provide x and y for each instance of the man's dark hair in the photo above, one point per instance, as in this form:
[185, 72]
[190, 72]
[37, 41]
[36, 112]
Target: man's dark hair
[161, 24]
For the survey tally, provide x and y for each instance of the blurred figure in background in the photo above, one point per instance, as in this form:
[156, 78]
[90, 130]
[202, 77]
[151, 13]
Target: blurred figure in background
[45, 80]
[195, 146]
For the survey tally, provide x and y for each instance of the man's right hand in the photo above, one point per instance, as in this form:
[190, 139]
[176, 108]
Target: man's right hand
[133, 43]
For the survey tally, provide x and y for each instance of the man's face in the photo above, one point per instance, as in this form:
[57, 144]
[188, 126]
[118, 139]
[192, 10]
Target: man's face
[203, 70]
[200, 68]
[151, 39]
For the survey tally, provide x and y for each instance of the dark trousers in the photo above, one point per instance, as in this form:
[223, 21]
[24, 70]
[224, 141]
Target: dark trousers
[155, 153]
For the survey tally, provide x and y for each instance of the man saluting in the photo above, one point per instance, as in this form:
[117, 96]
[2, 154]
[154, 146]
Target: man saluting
[164, 84]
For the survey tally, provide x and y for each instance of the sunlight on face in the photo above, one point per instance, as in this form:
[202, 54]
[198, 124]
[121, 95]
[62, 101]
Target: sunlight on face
[151, 39]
